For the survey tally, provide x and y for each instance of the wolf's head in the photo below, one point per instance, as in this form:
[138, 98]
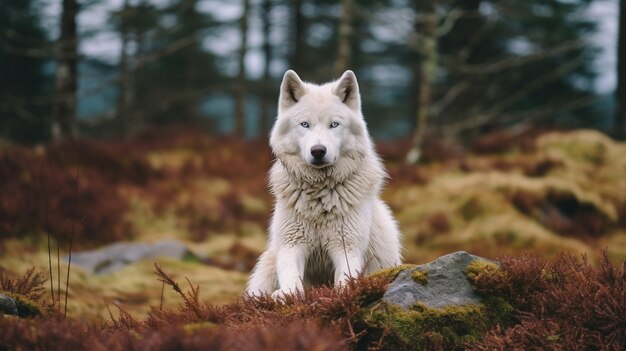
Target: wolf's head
[319, 126]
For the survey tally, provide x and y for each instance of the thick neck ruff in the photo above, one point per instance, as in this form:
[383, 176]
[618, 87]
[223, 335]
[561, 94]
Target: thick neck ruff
[331, 190]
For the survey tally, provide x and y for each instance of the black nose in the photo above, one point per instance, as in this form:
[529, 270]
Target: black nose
[318, 151]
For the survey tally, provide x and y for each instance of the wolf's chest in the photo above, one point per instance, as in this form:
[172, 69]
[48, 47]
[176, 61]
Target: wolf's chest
[328, 203]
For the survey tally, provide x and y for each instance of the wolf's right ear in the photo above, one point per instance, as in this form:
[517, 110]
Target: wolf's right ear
[291, 90]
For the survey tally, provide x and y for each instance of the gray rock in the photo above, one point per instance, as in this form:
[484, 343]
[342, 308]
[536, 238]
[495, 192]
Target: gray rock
[117, 256]
[446, 285]
[7, 305]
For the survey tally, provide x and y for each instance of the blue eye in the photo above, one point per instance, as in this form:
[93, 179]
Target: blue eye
[305, 124]
[334, 125]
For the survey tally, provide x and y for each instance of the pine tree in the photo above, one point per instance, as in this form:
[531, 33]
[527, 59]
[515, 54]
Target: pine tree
[425, 71]
[24, 83]
[526, 61]
[137, 24]
[174, 71]
[241, 88]
[66, 85]
[266, 96]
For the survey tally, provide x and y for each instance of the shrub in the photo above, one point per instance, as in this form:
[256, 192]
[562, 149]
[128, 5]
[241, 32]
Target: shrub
[38, 196]
[565, 304]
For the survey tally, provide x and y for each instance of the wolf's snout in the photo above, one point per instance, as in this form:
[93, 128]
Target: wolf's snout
[318, 152]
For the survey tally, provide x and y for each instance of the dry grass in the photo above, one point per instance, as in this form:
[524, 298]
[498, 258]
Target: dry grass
[559, 191]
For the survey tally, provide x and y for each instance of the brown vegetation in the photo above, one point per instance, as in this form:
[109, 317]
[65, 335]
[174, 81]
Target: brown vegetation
[37, 195]
[563, 304]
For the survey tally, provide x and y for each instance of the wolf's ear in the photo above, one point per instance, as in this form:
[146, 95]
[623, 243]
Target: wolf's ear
[291, 90]
[348, 90]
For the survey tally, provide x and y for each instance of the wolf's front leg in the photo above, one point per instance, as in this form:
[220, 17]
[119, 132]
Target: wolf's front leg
[290, 261]
[348, 262]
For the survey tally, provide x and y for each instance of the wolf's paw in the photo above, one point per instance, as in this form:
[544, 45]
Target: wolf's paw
[281, 293]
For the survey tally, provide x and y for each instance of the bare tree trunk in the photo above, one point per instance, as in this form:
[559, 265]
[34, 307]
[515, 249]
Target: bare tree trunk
[426, 36]
[344, 47]
[64, 109]
[267, 53]
[122, 110]
[188, 55]
[298, 36]
[619, 130]
[240, 98]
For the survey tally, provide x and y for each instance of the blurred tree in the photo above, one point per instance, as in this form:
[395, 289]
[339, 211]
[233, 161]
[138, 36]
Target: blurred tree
[619, 129]
[23, 50]
[313, 32]
[511, 62]
[241, 89]
[425, 70]
[64, 110]
[298, 33]
[137, 24]
[266, 9]
[126, 91]
[172, 67]
[344, 46]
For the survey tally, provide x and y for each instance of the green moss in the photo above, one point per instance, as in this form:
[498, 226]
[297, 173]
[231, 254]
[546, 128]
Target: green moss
[420, 276]
[471, 208]
[423, 328]
[190, 257]
[479, 267]
[499, 310]
[200, 326]
[391, 273]
[592, 152]
[549, 275]
[553, 338]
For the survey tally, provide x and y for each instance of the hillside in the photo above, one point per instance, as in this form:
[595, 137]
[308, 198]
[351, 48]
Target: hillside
[545, 193]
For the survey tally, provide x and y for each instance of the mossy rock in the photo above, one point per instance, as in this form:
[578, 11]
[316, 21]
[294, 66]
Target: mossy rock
[424, 328]
[435, 306]
[7, 306]
[25, 306]
[437, 284]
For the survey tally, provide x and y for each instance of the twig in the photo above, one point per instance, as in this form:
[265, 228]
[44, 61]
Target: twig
[59, 275]
[455, 128]
[345, 253]
[191, 299]
[162, 292]
[47, 229]
[516, 61]
[69, 264]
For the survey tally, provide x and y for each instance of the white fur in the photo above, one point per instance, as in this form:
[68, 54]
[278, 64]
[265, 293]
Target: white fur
[329, 222]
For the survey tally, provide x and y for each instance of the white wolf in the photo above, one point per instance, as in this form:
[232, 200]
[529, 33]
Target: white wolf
[329, 222]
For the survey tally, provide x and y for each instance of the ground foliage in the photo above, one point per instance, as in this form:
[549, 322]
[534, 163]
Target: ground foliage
[564, 304]
[561, 304]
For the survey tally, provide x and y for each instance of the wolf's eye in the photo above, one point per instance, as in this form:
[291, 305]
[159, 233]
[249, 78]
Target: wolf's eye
[334, 125]
[305, 124]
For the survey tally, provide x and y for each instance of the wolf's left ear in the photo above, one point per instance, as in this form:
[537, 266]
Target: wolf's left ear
[291, 90]
[348, 90]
